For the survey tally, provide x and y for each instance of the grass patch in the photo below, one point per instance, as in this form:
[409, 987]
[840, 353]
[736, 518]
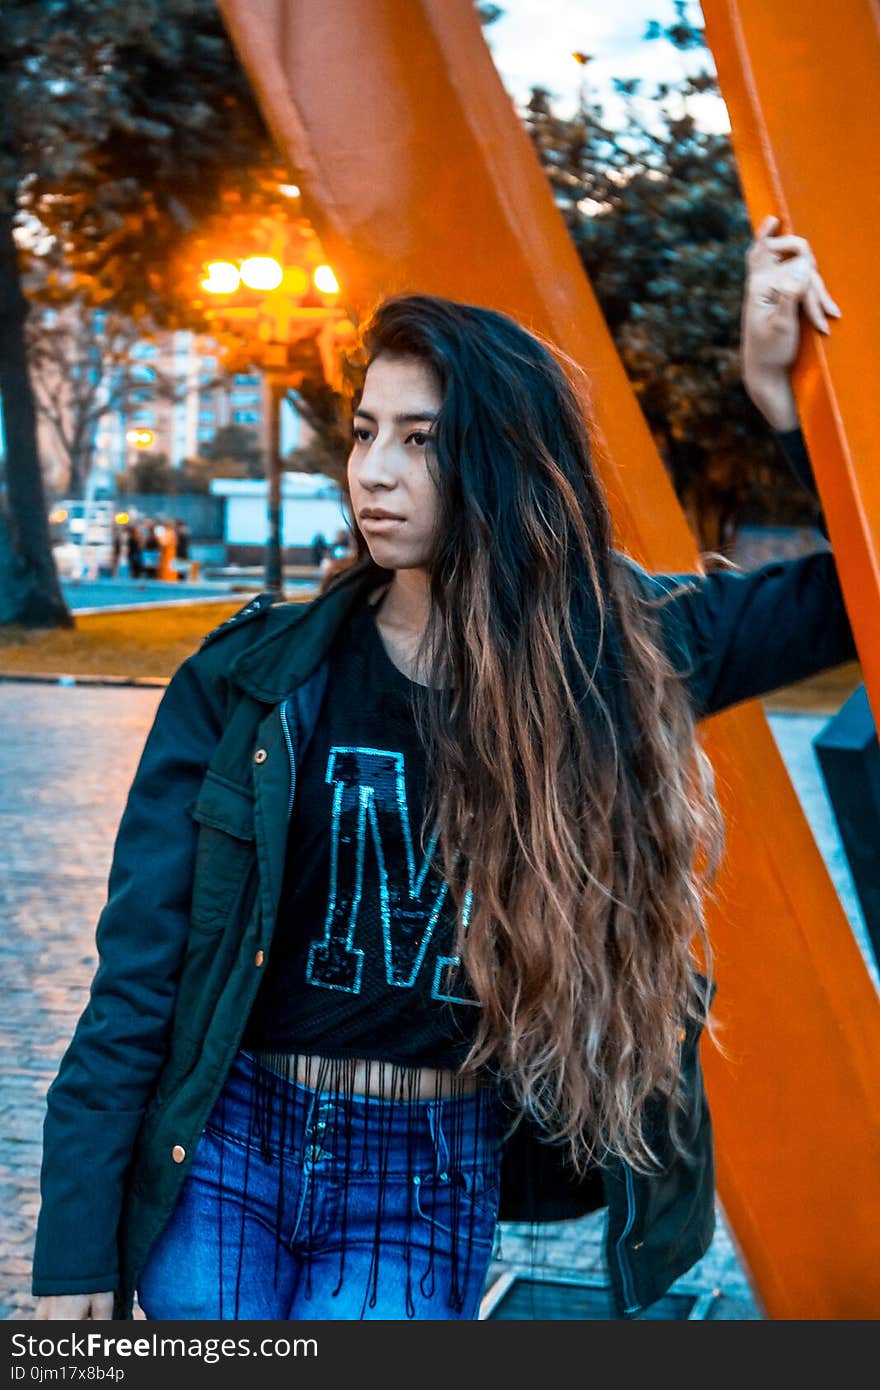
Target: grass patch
[155, 641]
[149, 643]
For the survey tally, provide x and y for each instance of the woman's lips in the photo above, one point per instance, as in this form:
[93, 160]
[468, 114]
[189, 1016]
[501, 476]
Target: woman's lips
[380, 523]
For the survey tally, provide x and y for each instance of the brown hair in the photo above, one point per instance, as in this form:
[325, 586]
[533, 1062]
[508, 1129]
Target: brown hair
[578, 826]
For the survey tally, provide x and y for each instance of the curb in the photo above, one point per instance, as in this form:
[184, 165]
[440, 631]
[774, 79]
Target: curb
[51, 678]
[150, 605]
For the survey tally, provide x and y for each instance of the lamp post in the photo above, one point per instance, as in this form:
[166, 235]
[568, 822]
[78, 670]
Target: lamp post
[274, 565]
[282, 287]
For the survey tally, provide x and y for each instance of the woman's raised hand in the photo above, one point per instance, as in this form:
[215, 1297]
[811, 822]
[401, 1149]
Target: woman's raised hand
[781, 278]
[74, 1307]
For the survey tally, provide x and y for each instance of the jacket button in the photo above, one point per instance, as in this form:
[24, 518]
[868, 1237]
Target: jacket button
[178, 1153]
[259, 958]
[682, 1034]
[260, 756]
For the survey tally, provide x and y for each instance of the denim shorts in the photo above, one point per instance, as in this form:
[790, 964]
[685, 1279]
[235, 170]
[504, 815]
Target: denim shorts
[319, 1203]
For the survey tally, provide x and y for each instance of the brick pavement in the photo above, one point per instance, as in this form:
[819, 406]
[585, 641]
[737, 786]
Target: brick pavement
[67, 757]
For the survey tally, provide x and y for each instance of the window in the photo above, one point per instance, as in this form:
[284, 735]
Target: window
[245, 417]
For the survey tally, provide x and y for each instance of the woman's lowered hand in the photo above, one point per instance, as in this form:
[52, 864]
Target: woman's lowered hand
[74, 1307]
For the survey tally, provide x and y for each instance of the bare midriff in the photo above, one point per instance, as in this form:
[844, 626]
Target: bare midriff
[377, 1078]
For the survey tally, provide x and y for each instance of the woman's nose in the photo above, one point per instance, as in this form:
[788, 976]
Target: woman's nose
[377, 465]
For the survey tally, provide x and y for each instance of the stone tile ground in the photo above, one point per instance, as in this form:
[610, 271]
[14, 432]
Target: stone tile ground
[67, 756]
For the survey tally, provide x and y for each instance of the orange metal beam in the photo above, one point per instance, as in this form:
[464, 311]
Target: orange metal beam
[418, 175]
[801, 79]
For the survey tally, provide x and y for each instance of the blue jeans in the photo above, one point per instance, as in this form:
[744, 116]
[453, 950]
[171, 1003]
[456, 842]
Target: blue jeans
[322, 1204]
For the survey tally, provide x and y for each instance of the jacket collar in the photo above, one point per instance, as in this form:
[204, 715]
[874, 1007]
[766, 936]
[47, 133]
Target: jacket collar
[298, 636]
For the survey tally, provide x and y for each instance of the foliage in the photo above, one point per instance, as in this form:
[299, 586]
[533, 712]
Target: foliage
[151, 472]
[324, 409]
[234, 452]
[140, 154]
[127, 132]
[656, 213]
[129, 139]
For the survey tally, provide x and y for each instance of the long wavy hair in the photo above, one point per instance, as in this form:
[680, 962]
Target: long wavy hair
[578, 827]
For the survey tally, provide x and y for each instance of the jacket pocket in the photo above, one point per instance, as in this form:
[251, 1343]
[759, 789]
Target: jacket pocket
[225, 856]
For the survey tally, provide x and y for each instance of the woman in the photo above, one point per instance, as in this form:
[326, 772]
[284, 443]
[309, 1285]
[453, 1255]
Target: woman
[401, 924]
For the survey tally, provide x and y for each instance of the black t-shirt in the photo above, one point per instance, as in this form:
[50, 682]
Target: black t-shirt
[361, 962]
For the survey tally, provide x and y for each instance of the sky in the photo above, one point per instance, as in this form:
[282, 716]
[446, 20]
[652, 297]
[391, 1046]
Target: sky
[533, 41]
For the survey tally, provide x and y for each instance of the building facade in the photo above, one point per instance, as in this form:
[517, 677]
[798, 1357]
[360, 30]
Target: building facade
[184, 400]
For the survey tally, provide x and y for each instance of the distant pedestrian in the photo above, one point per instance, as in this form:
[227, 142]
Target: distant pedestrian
[167, 550]
[319, 548]
[135, 560]
[340, 556]
[182, 532]
[151, 550]
[121, 561]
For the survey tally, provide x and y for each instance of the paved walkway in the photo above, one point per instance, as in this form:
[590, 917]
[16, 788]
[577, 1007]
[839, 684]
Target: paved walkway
[67, 757]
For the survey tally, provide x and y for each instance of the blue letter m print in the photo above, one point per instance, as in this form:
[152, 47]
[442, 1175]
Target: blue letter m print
[369, 801]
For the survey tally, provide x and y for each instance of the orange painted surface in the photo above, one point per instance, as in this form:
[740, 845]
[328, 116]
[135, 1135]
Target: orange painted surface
[419, 176]
[801, 79]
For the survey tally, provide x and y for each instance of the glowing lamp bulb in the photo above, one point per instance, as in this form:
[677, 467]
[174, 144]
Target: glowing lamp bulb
[141, 439]
[325, 280]
[223, 278]
[261, 273]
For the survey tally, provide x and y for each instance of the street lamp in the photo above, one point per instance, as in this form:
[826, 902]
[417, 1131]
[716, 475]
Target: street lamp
[141, 439]
[283, 286]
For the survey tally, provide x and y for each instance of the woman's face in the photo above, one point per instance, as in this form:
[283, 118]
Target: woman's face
[388, 463]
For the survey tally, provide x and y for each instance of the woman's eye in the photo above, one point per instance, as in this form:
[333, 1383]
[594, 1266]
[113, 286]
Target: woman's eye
[359, 434]
[420, 438]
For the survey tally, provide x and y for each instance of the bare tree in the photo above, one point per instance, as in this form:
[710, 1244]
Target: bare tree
[82, 369]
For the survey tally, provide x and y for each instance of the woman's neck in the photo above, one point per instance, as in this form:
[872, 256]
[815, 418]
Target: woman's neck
[406, 602]
[401, 619]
